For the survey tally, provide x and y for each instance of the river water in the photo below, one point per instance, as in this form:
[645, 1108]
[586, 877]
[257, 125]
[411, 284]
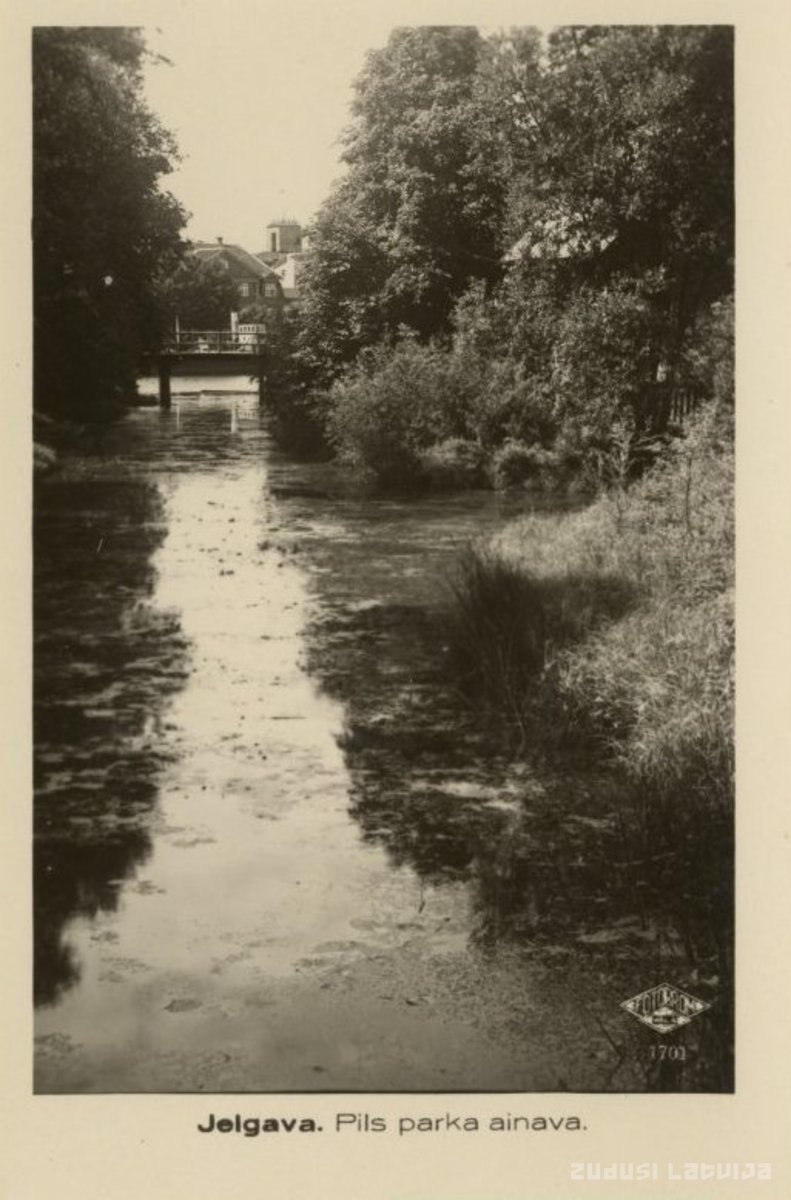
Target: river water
[275, 850]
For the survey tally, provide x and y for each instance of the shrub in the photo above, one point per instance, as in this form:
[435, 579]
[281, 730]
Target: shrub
[604, 359]
[455, 462]
[506, 403]
[372, 427]
[393, 405]
[296, 421]
[296, 408]
[516, 464]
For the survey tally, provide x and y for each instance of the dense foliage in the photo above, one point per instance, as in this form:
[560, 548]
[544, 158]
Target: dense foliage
[554, 216]
[417, 216]
[200, 295]
[103, 230]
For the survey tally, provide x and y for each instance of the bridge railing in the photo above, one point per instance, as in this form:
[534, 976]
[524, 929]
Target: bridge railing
[214, 341]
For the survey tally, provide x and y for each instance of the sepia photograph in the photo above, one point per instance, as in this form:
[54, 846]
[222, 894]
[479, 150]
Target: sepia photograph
[383, 545]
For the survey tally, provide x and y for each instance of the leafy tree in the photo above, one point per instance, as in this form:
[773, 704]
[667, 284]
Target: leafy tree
[621, 149]
[598, 163]
[342, 283]
[600, 361]
[615, 149]
[395, 403]
[296, 408]
[200, 294]
[103, 230]
[417, 216]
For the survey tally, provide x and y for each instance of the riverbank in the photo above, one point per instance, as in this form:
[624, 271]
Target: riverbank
[608, 634]
[261, 798]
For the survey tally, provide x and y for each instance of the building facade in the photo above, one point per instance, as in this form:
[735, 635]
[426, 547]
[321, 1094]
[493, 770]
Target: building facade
[284, 253]
[257, 284]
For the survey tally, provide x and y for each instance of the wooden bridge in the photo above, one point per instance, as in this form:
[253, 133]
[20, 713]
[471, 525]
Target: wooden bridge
[211, 346]
[190, 342]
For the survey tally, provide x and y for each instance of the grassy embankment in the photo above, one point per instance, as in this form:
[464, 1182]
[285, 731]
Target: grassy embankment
[611, 630]
[620, 617]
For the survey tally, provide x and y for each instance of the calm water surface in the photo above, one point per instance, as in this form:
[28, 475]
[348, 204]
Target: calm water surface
[274, 850]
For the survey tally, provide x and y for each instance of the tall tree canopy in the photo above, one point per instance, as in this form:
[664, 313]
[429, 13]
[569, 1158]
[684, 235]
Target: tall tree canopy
[418, 215]
[562, 202]
[200, 294]
[103, 230]
[618, 150]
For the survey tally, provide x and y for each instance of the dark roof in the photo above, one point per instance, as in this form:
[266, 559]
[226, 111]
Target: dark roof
[209, 251]
[270, 258]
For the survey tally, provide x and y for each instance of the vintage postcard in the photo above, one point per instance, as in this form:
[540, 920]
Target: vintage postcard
[396, 594]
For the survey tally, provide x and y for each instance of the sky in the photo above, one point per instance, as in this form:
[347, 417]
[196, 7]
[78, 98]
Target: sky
[257, 103]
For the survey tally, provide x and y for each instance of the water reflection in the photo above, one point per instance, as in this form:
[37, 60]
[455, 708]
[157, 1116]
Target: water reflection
[105, 663]
[275, 847]
[552, 866]
[440, 789]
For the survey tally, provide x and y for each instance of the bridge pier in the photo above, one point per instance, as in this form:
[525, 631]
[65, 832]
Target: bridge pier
[164, 381]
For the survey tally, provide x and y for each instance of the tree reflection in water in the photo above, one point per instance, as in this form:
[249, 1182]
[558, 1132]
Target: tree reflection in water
[105, 662]
[555, 869]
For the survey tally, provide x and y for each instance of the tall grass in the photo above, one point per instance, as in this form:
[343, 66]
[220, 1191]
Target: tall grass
[620, 619]
[607, 635]
[509, 625]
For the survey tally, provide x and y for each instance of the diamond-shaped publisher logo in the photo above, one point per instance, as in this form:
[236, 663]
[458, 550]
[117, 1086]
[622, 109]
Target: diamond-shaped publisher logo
[664, 1008]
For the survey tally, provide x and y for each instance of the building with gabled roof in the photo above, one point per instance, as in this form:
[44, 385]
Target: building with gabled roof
[257, 284]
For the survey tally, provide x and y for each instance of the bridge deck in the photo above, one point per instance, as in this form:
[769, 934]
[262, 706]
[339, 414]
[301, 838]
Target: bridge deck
[203, 342]
[199, 349]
